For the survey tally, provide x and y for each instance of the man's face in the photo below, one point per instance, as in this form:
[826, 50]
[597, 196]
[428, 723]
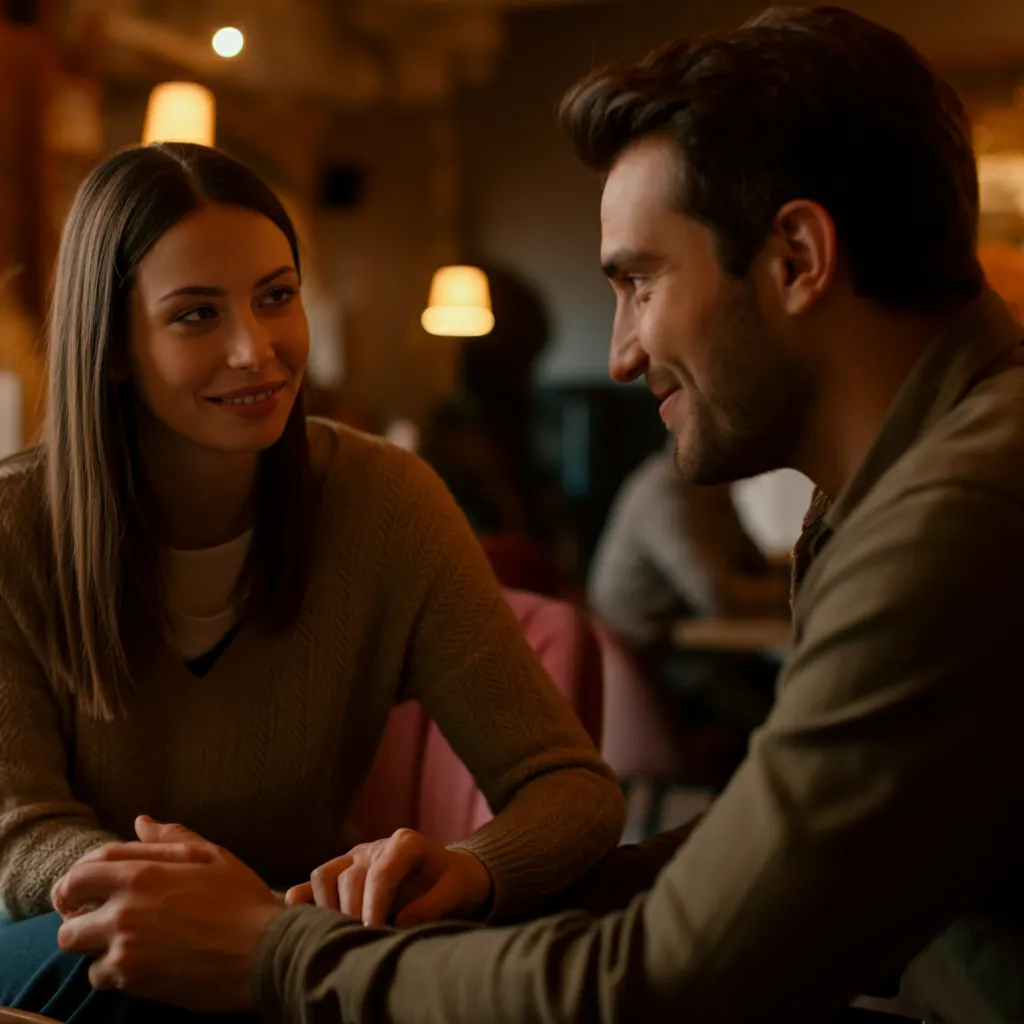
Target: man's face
[730, 393]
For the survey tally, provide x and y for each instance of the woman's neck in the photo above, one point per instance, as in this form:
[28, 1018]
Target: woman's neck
[194, 496]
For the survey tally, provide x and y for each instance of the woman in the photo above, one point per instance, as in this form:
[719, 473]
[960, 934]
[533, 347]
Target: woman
[208, 605]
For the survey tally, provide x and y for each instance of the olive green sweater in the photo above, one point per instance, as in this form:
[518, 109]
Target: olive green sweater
[264, 753]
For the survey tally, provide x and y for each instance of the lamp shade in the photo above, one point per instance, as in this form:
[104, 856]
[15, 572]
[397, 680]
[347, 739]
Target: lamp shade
[179, 112]
[460, 304]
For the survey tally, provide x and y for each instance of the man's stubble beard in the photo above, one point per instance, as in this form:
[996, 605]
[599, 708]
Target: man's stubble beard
[754, 419]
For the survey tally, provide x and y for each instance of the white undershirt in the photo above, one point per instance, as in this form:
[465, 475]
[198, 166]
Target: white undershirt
[200, 594]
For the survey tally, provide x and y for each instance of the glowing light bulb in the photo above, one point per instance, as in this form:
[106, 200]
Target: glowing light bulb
[228, 42]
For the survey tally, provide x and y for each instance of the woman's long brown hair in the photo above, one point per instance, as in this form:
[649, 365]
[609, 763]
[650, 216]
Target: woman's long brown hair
[104, 558]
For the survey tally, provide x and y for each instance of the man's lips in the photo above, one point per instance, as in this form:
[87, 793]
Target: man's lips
[668, 400]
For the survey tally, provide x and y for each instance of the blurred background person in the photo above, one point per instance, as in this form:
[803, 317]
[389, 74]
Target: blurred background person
[671, 551]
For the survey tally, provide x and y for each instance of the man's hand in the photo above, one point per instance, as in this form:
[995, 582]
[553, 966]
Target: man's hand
[172, 918]
[408, 876]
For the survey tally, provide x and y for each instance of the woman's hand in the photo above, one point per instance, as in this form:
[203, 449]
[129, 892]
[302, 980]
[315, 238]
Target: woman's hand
[60, 904]
[172, 918]
[409, 877]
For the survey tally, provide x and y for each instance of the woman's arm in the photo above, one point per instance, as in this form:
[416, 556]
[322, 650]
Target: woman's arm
[558, 807]
[43, 829]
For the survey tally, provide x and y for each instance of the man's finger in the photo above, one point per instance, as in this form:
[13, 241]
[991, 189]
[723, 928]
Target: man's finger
[386, 874]
[150, 831]
[298, 894]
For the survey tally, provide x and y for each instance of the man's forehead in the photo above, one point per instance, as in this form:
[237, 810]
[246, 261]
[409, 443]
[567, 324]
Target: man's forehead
[637, 206]
[646, 171]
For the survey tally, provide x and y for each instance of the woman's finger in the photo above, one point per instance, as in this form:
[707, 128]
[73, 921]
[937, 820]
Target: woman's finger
[324, 882]
[402, 858]
[88, 934]
[167, 853]
[298, 894]
[351, 884]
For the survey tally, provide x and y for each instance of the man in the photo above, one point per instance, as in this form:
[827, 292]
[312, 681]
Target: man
[789, 223]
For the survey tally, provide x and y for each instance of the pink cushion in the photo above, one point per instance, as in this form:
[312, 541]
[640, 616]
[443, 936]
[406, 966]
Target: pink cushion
[642, 732]
[387, 800]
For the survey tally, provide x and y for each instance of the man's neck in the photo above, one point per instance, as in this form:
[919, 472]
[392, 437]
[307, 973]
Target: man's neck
[195, 497]
[870, 358]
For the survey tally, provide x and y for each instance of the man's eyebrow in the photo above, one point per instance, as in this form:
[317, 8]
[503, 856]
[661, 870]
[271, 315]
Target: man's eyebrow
[612, 266]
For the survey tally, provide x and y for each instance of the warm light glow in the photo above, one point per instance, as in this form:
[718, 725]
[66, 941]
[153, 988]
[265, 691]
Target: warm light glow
[228, 42]
[179, 112]
[460, 304]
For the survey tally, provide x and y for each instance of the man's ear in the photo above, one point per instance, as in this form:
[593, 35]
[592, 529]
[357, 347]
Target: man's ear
[801, 254]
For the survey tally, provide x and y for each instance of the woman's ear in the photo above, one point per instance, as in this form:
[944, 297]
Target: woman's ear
[120, 368]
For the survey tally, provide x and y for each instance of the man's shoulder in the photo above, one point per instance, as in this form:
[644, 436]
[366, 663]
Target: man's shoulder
[969, 461]
[979, 442]
[947, 518]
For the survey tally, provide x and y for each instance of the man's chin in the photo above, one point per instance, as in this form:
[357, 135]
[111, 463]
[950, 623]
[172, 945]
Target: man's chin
[698, 466]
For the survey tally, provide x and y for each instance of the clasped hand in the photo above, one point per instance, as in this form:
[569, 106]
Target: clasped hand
[176, 918]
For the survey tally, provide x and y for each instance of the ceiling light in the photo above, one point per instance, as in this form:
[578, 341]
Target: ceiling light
[228, 42]
[460, 304]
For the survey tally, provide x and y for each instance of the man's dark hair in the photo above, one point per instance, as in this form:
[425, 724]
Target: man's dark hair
[806, 104]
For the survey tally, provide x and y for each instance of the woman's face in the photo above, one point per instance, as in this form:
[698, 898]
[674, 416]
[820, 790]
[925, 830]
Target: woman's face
[218, 336]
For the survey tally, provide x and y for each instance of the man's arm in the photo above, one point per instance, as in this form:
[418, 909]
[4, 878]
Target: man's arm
[880, 799]
[623, 874]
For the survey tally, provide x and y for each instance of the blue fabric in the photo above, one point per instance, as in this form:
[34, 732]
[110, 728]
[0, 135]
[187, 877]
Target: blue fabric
[35, 975]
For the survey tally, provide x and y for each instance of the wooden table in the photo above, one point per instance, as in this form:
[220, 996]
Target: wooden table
[750, 636]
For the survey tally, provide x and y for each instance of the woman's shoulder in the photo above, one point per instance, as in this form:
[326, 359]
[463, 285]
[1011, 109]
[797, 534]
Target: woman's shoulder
[22, 494]
[24, 529]
[345, 458]
[380, 496]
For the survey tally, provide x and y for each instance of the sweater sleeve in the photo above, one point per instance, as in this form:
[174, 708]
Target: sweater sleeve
[558, 808]
[43, 829]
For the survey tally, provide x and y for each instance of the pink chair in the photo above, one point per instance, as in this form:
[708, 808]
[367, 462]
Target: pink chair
[417, 781]
[642, 733]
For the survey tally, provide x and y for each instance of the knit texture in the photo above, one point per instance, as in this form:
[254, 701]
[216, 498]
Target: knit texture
[265, 753]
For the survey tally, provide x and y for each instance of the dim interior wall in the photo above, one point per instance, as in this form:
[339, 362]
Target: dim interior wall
[378, 258]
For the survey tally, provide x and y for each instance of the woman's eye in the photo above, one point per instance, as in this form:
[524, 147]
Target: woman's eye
[195, 315]
[279, 296]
